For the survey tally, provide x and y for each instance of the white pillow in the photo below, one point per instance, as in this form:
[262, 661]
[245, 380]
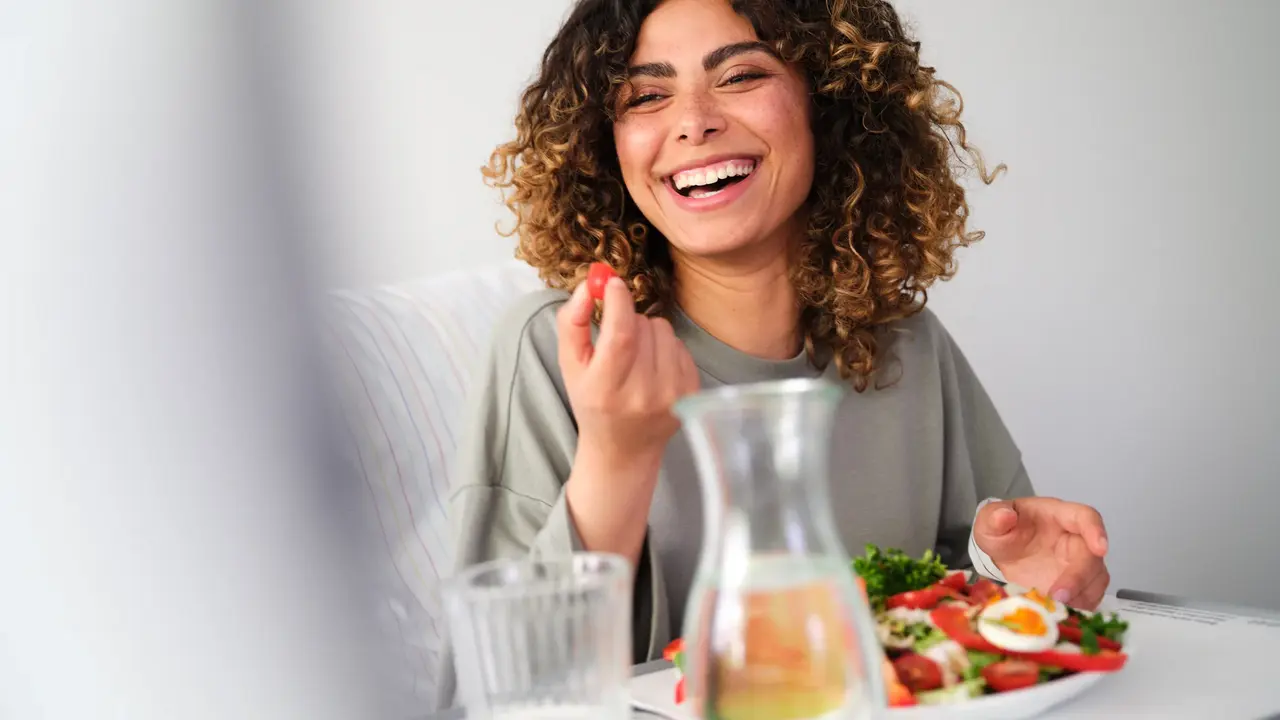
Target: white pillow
[403, 356]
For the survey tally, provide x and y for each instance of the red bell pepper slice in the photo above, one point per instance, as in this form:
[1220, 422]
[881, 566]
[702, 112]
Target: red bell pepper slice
[921, 599]
[953, 621]
[955, 580]
[900, 696]
[1104, 661]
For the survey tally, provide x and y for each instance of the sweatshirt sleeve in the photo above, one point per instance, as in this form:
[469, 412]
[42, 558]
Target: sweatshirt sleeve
[983, 462]
[507, 495]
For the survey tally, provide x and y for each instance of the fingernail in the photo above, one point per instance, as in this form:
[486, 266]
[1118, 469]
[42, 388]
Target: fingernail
[1061, 596]
[1102, 542]
[1006, 513]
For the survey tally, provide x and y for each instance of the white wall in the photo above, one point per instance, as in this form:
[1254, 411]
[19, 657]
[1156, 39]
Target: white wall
[1116, 311]
[400, 103]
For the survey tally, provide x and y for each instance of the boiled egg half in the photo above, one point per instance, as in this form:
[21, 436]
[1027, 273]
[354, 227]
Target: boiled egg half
[1018, 624]
[1056, 610]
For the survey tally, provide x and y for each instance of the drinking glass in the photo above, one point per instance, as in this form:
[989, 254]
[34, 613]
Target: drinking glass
[543, 638]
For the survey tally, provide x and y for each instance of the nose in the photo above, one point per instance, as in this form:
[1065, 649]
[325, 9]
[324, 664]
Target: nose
[700, 119]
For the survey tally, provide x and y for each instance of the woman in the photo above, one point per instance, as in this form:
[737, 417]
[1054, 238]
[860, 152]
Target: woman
[772, 180]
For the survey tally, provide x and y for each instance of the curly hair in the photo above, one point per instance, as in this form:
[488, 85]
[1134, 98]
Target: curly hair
[886, 211]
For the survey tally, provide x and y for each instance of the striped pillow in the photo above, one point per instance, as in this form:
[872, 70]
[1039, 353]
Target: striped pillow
[403, 356]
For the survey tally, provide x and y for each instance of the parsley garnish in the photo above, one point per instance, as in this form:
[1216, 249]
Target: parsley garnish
[889, 572]
[1088, 641]
[1093, 626]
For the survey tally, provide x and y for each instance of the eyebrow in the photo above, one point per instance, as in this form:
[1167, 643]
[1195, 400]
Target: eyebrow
[710, 61]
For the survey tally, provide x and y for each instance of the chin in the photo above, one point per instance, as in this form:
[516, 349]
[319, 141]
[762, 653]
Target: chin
[719, 242]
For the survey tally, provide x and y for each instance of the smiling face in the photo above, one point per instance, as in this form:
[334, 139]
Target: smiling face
[713, 133]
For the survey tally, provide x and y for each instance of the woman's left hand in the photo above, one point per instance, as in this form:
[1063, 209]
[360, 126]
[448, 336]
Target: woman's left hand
[1048, 544]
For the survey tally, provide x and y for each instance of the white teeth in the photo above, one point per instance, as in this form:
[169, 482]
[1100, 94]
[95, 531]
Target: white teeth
[707, 176]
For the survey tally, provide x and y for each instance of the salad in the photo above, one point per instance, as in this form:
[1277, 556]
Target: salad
[948, 640]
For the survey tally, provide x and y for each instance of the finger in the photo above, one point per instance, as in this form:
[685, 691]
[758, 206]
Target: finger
[573, 326]
[1086, 522]
[620, 333]
[642, 369]
[1000, 531]
[690, 379]
[666, 360]
[1082, 567]
[1091, 596]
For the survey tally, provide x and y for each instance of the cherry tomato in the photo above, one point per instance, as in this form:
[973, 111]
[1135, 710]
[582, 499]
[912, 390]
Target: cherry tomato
[680, 691]
[597, 277]
[952, 620]
[955, 581]
[1012, 674]
[983, 590]
[918, 673]
[1071, 632]
[672, 649]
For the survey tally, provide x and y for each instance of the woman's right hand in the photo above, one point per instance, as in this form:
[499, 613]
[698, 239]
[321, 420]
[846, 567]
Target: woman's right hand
[622, 388]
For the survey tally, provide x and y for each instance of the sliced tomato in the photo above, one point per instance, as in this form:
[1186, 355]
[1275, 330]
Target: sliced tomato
[1104, 661]
[597, 277]
[918, 673]
[680, 690]
[983, 590]
[672, 649]
[955, 581]
[1012, 674]
[924, 599]
[952, 620]
[1071, 632]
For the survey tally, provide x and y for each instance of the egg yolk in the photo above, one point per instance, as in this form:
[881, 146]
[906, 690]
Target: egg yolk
[1025, 621]
[1045, 602]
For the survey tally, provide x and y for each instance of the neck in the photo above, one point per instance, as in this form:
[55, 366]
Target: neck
[748, 305]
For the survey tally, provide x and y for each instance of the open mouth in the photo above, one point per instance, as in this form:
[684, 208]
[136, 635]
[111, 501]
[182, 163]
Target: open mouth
[711, 180]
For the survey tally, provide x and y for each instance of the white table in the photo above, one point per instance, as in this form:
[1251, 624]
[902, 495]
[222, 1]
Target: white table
[1186, 662]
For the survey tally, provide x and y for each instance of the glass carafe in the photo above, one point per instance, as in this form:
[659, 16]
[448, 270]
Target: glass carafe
[775, 627]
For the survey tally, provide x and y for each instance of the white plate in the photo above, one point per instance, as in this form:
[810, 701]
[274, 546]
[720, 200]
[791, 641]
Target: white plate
[1014, 705]
[657, 691]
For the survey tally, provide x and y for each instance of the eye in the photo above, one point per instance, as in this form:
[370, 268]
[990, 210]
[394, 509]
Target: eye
[643, 99]
[745, 76]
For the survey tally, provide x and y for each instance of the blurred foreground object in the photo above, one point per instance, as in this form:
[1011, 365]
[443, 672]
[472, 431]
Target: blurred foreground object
[777, 621]
[175, 539]
[546, 638]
